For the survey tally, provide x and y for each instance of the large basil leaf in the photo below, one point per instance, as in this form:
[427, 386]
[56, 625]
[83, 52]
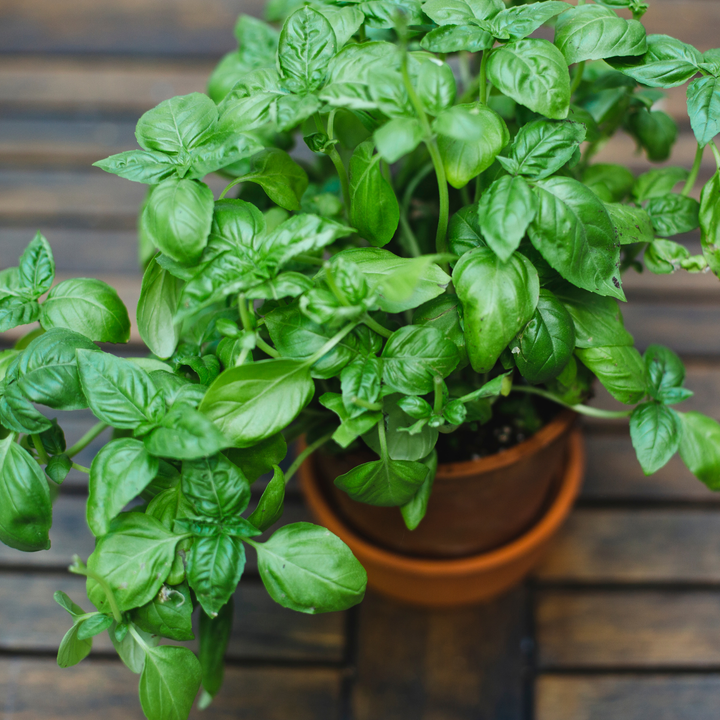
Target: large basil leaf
[710, 222]
[307, 44]
[533, 73]
[434, 81]
[414, 356]
[345, 21]
[118, 474]
[214, 637]
[178, 217]
[632, 224]
[545, 345]
[658, 182]
[518, 22]
[458, 12]
[25, 510]
[504, 213]
[574, 234]
[673, 214]
[470, 137]
[306, 568]
[700, 447]
[214, 569]
[592, 32]
[168, 614]
[252, 102]
[374, 209]
[159, 296]
[134, 558]
[252, 402]
[118, 391]
[222, 150]
[47, 369]
[36, 268]
[279, 176]
[384, 482]
[169, 682]
[89, 307]
[216, 488]
[443, 314]
[140, 166]
[703, 97]
[454, 38]
[498, 299]
[621, 370]
[655, 431]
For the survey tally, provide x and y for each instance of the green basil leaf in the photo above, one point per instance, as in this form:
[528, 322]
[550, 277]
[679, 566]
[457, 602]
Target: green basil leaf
[620, 369]
[397, 137]
[214, 638]
[279, 176]
[178, 217]
[159, 297]
[401, 444]
[434, 81]
[666, 374]
[498, 299]
[703, 97]
[18, 414]
[664, 257]
[307, 44]
[504, 213]
[94, 625]
[710, 222]
[65, 602]
[470, 137]
[611, 183]
[345, 21]
[141, 166]
[350, 428]
[384, 482]
[592, 32]
[382, 14]
[134, 558]
[118, 391]
[360, 379]
[700, 447]
[655, 131]
[58, 468]
[260, 458]
[118, 474]
[457, 12]
[414, 510]
[443, 314]
[15, 311]
[374, 209]
[72, 649]
[168, 614]
[658, 182]
[518, 22]
[574, 234]
[306, 568]
[464, 231]
[270, 507]
[655, 431]
[414, 356]
[454, 38]
[214, 569]
[185, 434]
[216, 488]
[252, 102]
[36, 268]
[545, 345]
[533, 73]
[131, 652]
[674, 214]
[178, 124]
[632, 224]
[48, 372]
[89, 307]
[169, 682]
[26, 510]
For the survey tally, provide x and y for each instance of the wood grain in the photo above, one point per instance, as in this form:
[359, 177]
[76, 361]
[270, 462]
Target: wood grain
[660, 697]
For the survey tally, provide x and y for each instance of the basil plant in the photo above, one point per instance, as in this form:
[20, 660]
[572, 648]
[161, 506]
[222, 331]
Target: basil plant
[414, 243]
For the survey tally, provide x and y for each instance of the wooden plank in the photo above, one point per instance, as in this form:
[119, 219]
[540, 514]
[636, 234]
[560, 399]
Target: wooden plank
[452, 664]
[600, 545]
[634, 697]
[633, 628]
[30, 620]
[38, 688]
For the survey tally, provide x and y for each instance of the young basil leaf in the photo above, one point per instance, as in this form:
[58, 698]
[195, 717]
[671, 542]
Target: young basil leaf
[632, 224]
[434, 81]
[700, 447]
[574, 234]
[403, 444]
[663, 257]
[709, 218]
[279, 176]
[545, 345]
[214, 638]
[252, 102]
[168, 614]
[119, 473]
[89, 307]
[73, 649]
[47, 369]
[306, 568]
[361, 380]
[388, 90]
[457, 12]
[658, 182]
[26, 510]
[384, 482]
[36, 268]
[611, 183]
[374, 209]
[307, 44]
[215, 487]
[350, 428]
[673, 214]
[16, 311]
[58, 468]
[159, 297]
[464, 232]
[454, 38]
[178, 216]
[470, 137]
[443, 314]
[517, 22]
[655, 131]
[141, 166]
[504, 213]
[134, 558]
[169, 682]
[655, 431]
[270, 507]
[131, 652]
[65, 602]
[498, 299]
[118, 391]
[94, 625]
[414, 510]
[397, 137]
[220, 151]
[620, 369]
[260, 458]
[414, 356]
[666, 374]
[703, 98]
[185, 434]
[534, 73]
[592, 32]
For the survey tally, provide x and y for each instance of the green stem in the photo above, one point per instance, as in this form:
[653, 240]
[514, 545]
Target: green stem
[271, 351]
[444, 216]
[81, 468]
[300, 459]
[86, 439]
[577, 77]
[692, 178]
[245, 316]
[42, 455]
[309, 259]
[138, 637]
[376, 326]
[336, 160]
[413, 246]
[437, 386]
[580, 409]
[482, 78]
[374, 407]
[716, 153]
[330, 344]
[382, 438]
[79, 568]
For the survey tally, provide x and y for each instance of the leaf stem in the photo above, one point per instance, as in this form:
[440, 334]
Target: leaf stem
[482, 79]
[42, 455]
[86, 439]
[437, 387]
[577, 77]
[81, 468]
[330, 344]
[80, 568]
[375, 407]
[245, 316]
[382, 438]
[692, 178]
[271, 351]
[336, 160]
[138, 637]
[235, 182]
[376, 326]
[716, 153]
[412, 244]
[580, 409]
[309, 450]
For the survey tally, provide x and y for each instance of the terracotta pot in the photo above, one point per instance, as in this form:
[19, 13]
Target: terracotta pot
[435, 582]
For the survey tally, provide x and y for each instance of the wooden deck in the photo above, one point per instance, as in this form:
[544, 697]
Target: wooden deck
[622, 621]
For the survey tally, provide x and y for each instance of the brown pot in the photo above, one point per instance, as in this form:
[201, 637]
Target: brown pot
[479, 575]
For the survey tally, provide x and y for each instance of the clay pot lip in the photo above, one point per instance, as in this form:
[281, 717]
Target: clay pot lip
[452, 567]
[470, 469]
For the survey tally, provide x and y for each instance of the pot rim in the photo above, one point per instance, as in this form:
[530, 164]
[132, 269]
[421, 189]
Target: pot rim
[507, 554]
